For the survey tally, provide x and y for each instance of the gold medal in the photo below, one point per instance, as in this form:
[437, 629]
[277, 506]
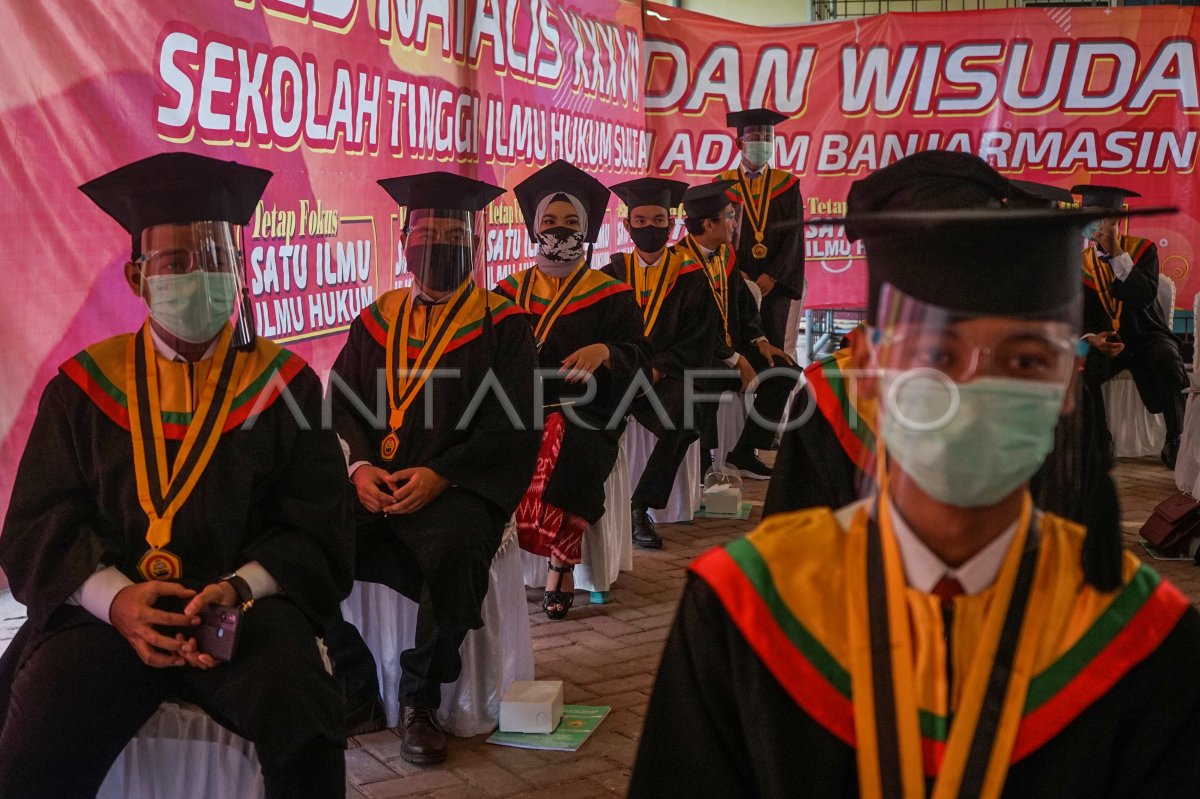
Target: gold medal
[159, 564]
[759, 250]
[391, 443]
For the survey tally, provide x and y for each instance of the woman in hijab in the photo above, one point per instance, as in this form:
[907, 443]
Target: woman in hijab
[588, 330]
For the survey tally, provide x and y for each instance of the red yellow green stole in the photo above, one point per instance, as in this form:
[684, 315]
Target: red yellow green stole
[718, 268]
[1098, 276]
[1074, 644]
[755, 196]
[653, 284]
[851, 416]
[549, 298]
[379, 317]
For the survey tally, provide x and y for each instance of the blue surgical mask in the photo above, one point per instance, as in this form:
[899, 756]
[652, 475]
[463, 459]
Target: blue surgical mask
[969, 444]
[194, 306]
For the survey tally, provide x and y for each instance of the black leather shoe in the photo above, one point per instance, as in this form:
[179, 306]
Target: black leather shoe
[748, 465]
[644, 536]
[364, 716]
[1170, 452]
[422, 740]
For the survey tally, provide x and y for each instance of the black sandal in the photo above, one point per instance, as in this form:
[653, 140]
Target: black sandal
[565, 599]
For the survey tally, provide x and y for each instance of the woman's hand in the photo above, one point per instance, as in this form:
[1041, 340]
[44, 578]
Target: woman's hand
[583, 362]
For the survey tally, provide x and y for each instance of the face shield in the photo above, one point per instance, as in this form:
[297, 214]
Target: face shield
[192, 280]
[442, 248]
[758, 146]
[969, 402]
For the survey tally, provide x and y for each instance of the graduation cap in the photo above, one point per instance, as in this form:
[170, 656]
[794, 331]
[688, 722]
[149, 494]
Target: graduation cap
[177, 188]
[1038, 195]
[659, 192]
[1109, 197]
[560, 177]
[440, 191]
[707, 199]
[753, 117]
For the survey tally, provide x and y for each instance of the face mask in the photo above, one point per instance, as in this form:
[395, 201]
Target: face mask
[560, 244]
[439, 266]
[974, 446]
[650, 239]
[192, 307]
[757, 154]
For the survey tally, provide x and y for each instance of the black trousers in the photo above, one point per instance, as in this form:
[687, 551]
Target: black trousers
[770, 400]
[1158, 372]
[774, 315]
[653, 489]
[81, 693]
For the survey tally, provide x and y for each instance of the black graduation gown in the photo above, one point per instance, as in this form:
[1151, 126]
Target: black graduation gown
[720, 724]
[812, 468]
[448, 546]
[607, 316]
[1152, 351]
[785, 245]
[682, 339]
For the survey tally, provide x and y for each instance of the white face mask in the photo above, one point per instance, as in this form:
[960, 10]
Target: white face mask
[194, 306]
[969, 444]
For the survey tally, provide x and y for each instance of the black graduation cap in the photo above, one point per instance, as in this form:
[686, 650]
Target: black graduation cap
[561, 177]
[707, 199]
[651, 191]
[753, 117]
[440, 191]
[1110, 197]
[177, 188]
[1038, 195]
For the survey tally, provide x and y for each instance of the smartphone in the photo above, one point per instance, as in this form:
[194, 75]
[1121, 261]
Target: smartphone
[218, 632]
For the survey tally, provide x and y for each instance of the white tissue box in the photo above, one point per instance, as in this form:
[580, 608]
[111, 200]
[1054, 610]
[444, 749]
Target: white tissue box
[725, 499]
[532, 706]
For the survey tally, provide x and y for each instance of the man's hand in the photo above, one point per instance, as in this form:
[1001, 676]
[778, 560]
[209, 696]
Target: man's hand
[765, 283]
[221, 593]
[1108, 239]
[134, 616]
[375, 487]
[655, 375]
[1104, 343]
[421, 485]
[583, 362]
[746, 372]
[771, 353]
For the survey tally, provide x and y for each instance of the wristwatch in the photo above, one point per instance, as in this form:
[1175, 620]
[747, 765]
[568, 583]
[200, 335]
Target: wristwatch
[245, 597]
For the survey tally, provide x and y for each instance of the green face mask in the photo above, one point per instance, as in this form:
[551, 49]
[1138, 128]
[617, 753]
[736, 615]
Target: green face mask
[757, 154]
[973, 444]
[194, 306]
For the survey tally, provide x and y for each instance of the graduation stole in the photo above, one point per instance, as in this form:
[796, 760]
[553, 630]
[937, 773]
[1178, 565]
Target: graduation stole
[851, 415]
[652, 284]
[1098, 276]
[755, 196]
[161, 493]
[887, 722]
[562, 293]
[465, 305]
[717, 272]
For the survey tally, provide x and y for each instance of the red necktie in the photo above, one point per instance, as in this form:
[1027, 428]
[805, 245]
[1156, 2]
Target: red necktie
[947, 588]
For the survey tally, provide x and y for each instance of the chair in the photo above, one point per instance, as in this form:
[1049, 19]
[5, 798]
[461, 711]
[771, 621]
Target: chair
[685, 494]
[493, 656]
[1136, 432]
[607, 545]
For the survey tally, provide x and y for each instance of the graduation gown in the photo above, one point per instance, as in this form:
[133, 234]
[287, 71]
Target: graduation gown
[754, 695]
[602, 311]
[682, 332]
[784, 259]
[1152, 351]
[447, 546]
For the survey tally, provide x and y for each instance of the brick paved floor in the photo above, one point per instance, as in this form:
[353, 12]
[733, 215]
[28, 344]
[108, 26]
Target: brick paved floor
[607, 655]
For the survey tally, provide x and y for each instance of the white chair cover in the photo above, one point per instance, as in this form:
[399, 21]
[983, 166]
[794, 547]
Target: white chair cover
[1187, 465]
[180, 751]
[685, 494]
[493, 656]
[1166, 298]
[1136, 432]
[731, 420]
[1195, 349]
[607, 545]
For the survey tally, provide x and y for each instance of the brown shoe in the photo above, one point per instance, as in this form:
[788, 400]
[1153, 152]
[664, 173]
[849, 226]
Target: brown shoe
[423, 742]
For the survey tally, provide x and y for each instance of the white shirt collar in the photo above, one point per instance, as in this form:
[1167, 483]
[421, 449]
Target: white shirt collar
[646, 264]
[167, 351]
[923, 569]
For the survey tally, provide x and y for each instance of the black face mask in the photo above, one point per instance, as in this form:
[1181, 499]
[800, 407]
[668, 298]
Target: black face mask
[650, 239]
[440, 266]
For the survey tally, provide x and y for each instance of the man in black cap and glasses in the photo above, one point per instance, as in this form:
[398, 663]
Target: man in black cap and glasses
[1124, 325]
[169, 470]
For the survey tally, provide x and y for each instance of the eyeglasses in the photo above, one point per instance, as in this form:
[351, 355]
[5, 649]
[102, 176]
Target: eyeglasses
[1026, 356]
[179, 261]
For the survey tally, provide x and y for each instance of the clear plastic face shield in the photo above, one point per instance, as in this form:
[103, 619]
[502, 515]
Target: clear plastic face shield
[443, 248]
[758, 146]
[192, 280]
[967, 402]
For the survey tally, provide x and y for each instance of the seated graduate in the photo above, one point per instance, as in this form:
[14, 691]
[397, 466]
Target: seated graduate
[712, 225]
[588, 331]
[170, 470]
[827, 455]
[1125, 327]
[941, 636]
[680, 322]
[439, 478]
